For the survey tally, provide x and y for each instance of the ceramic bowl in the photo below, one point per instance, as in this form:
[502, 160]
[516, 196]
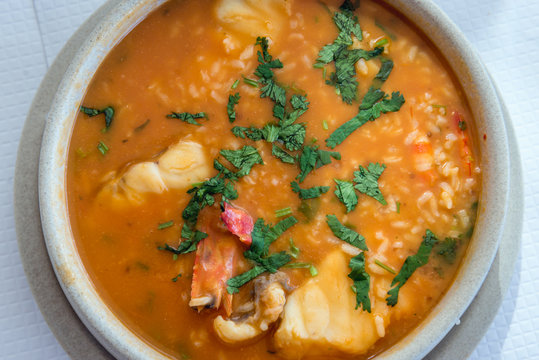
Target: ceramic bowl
[494, 153]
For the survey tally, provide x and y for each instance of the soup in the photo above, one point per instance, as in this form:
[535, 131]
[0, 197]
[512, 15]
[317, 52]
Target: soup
[272, 179]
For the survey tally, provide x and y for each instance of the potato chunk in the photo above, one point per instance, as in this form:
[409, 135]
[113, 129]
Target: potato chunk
[320, 316]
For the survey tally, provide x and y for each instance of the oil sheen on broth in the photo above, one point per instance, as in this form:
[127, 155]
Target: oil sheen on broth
[341, 202]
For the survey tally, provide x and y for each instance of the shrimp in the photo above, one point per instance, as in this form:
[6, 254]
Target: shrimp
[238, 222]
[465, 152]
[215, 263]
[423, 157]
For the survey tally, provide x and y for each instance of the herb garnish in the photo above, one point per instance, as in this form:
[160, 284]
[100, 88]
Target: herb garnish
[283, 212]
[309, 193]
[263, 236]
[303, 265]
[384, 266]
[165, 225]
[367, 181]
[411, 263]
[374, 104]
[344, 190]
[189, 243]
[103, 149]
[243, 159]
[448, 250]
[313, 158]
[345, 233]
[188, 117]
[294, 250]
[233, 100]
[108, 111]
[361, 281]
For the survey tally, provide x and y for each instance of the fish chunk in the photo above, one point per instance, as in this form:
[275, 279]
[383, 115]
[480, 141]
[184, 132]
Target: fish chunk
[253, 17]
[181, 165]
[320, 316]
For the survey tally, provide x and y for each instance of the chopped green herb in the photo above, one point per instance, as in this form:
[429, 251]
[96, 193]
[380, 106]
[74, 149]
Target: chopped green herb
[190, 240]
[309, 208]
[165, 225]
[103, 149]
[383, 73]
[325, 125]
[282, 155]
[381, 42]
[462, 125]
[283, 212]
[303, 265]
[250, 82]
[367, 181]
[309, 193]
[243, 159]
[263, 236]
[233, 100]
[294, 251]
[398, 207]
[175, 278]
[411, 263]
[312, 158]
[346, 234]
[235, 84]
[346, 194]
[448, 250]
[361, 281]
[188, 117]
[443, 108]
[203, 195]
[373, 105]
[108, 111]
[384, 266]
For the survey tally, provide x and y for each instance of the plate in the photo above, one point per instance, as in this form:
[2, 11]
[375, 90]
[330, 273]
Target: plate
[79, 343]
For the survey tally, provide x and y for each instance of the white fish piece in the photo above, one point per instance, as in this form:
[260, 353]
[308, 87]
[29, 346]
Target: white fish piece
[320, 318]
[181, 165]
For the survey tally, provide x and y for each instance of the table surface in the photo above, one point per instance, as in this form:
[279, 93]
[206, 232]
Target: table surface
[504, 32]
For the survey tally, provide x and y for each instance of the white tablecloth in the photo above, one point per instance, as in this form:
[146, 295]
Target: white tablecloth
[506, 34]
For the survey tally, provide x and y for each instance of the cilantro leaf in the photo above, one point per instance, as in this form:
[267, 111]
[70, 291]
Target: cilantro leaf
[293, 136]
[263, 236]
[448, 250]
[346, 194]
[188, 117]
[233, 100]
[411, 263]
[299, 102]
[310, 193]
[264, 69]
[108, 111]
[252, 132]
[361, 281]
[190, 240]
[243, 159]
[238, 281]
[385, 70]
[367, 181]
[274, 91]
[346, 234]
[282, 155]
[370, 110]
[313, 158]
[203, 195]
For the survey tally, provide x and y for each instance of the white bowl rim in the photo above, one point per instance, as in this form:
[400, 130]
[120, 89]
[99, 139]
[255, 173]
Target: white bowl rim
[116, 337]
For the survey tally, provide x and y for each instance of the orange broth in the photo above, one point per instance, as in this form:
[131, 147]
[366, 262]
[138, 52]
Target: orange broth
[175, 60]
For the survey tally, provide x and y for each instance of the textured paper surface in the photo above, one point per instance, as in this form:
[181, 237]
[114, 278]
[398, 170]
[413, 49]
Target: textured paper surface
[505, 34]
